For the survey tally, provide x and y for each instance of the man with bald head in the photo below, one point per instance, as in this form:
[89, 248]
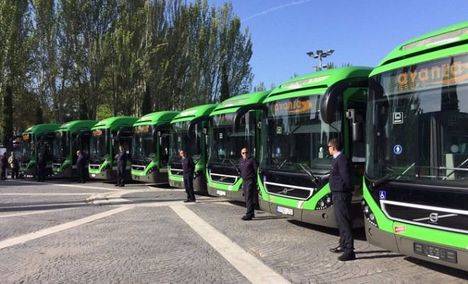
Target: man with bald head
[248, 173]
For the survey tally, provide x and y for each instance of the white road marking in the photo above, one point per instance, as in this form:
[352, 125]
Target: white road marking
[87, 186]
[43, 194]
[32, 212]
[55, 229]
[251, 267]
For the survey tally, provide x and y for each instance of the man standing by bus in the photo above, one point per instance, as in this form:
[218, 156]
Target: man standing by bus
[81, 166]
[248, 172]
[3, 166]
[121, 166]
[342, 192]
[188, 169]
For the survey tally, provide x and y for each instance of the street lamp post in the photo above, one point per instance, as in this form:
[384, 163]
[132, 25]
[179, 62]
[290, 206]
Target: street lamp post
[320, 54]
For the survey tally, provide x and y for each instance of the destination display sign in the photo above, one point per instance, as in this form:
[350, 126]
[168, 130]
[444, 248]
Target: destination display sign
[97, 132]
[293, 106]
[142, 129]
[26, 137]
[444, 72]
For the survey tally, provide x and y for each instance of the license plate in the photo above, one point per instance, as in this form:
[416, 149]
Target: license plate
[221, 193]
[93, 175]
[435, 252]
[284, 210]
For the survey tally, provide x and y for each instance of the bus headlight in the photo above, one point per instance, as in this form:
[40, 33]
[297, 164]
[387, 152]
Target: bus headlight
[324, 202]
[368, 214]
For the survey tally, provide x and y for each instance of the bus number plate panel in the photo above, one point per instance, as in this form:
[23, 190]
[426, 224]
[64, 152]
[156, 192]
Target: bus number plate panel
[435, 252]
[284, 210]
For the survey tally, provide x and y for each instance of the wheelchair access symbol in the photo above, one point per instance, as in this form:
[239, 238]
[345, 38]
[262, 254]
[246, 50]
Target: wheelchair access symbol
[382, 194]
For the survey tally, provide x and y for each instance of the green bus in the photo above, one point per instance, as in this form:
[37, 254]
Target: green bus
[69, 138]
[36, 139]
[188, 132]
[302, 115]
[233, 125]
[416, 179]
[150, 154]
[106, 137]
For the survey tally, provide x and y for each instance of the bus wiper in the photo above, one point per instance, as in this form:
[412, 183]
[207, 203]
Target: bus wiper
[282, 163]
[309, 173]
[391, 176]
[234, 165]
[457, 168]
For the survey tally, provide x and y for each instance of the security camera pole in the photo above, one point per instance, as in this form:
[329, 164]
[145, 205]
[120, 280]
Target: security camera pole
[320, 54]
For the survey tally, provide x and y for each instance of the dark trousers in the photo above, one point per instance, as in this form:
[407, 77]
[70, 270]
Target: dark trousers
[188, 184]
[342, 206]
[248, 186]
[120, 176]
[41, 172]
[3, 173]
[14, 173]
[81, 174]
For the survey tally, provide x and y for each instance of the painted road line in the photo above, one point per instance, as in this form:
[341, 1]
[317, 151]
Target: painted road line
[86, 186]
[65, 226]
[43, 194]
[33, 212]
[251, 267]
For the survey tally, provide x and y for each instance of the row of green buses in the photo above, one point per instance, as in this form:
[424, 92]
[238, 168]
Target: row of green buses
[403, 124]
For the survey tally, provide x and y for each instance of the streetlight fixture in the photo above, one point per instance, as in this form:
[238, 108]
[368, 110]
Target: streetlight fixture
[320, 54]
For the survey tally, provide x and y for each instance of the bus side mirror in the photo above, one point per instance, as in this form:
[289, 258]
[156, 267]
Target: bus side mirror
[243, 110]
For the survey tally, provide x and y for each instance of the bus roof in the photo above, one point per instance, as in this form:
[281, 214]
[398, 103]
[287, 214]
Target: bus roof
[115, 122]
[315, 83]
[39, 129]
[155, 118]
[443, 42]
[77, 125]
[234, 103]
[194, 112]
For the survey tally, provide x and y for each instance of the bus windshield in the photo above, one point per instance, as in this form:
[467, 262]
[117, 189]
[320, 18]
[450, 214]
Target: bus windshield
[295, 138]
[227, 142]
[26, 148]
[98, 145]
[143, 143]
[418, 123]
[60, 146]
[185, 138]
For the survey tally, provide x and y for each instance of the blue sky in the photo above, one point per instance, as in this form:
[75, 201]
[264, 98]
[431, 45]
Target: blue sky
[362, 32]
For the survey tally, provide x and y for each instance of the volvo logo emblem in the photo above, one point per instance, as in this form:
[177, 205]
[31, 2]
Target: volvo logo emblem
[433, 217]
[285, 190]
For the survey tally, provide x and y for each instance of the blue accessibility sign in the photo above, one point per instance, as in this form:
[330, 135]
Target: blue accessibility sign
[397, 149]
[382, 194]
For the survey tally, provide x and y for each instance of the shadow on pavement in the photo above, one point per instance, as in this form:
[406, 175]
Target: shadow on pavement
[439, 268]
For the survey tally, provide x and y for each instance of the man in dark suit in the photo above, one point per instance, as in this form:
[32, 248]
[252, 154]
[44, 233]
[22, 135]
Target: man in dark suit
[81, 163]
[121, 166]
[188, 169]
[248, 173]
[342, 192]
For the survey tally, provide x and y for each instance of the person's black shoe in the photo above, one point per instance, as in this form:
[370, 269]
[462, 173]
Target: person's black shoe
[116, 184]
[246, 218]
[347, 256]
[337, 249]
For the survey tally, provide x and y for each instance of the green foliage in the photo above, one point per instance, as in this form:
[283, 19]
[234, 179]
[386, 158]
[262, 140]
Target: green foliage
[103, 111]
[97, 58]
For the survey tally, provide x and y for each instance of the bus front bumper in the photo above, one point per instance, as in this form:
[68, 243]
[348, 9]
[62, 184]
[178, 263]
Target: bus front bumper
[431, 252]
[322, 217]
[236, 195]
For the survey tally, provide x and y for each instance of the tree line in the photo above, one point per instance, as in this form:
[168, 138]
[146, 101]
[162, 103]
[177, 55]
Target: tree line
[90, 59]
